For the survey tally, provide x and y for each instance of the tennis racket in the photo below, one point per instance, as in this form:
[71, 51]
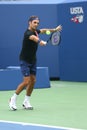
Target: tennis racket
[55, 38]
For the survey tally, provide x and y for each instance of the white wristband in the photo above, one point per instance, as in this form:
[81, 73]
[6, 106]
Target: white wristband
[45, 43]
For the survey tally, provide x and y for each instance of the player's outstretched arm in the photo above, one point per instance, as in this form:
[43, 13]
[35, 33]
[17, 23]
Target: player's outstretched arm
[58, 28]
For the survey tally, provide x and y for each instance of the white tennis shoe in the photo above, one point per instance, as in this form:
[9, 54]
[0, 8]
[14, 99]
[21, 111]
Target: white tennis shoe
[12, 104]
[27, 105]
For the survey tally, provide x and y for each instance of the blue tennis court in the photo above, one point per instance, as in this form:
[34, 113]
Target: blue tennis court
[7, 125]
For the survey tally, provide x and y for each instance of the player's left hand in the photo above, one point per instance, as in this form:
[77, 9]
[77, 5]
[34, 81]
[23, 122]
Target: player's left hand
[58, 28]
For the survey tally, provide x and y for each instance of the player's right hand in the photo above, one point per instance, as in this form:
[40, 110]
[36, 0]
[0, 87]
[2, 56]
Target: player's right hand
[43, 43]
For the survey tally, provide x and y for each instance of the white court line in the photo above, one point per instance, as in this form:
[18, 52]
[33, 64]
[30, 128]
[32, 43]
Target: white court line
[31, 124]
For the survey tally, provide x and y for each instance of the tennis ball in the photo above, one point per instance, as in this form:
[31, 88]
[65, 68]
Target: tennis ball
[48, 32]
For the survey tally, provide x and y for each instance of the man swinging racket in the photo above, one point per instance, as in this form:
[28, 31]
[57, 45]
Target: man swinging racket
[28, 61]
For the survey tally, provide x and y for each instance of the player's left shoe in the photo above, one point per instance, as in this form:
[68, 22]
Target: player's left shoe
[27, 105]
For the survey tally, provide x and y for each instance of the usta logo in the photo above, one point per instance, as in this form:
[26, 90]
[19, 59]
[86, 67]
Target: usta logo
[76, 10]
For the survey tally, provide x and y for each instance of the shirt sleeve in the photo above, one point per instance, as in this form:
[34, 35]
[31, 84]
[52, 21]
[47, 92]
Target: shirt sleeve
[38, 31]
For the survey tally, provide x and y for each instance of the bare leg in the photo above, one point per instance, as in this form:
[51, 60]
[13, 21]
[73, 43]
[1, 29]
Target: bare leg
[28, 82]
[12, 102]
[30, 86]
[21, 86]
[29, 89]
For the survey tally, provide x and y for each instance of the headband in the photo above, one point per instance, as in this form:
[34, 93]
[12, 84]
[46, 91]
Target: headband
[31, 19]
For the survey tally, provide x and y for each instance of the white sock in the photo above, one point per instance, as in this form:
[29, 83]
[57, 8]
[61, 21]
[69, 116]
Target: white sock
[15, 96]
[27, 97]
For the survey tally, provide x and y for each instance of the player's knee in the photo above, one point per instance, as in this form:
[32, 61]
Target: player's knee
[33, 79]
[26, 82]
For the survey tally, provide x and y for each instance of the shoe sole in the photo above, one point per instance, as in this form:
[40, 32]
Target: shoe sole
[28, 108]
[13, 109]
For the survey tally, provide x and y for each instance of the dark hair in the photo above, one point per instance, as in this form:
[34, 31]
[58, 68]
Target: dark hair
[33, 18]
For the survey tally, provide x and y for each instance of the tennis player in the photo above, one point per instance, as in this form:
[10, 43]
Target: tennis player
[28, 61]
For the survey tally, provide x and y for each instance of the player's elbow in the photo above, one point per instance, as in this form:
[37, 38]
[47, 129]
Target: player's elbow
[34, 38]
